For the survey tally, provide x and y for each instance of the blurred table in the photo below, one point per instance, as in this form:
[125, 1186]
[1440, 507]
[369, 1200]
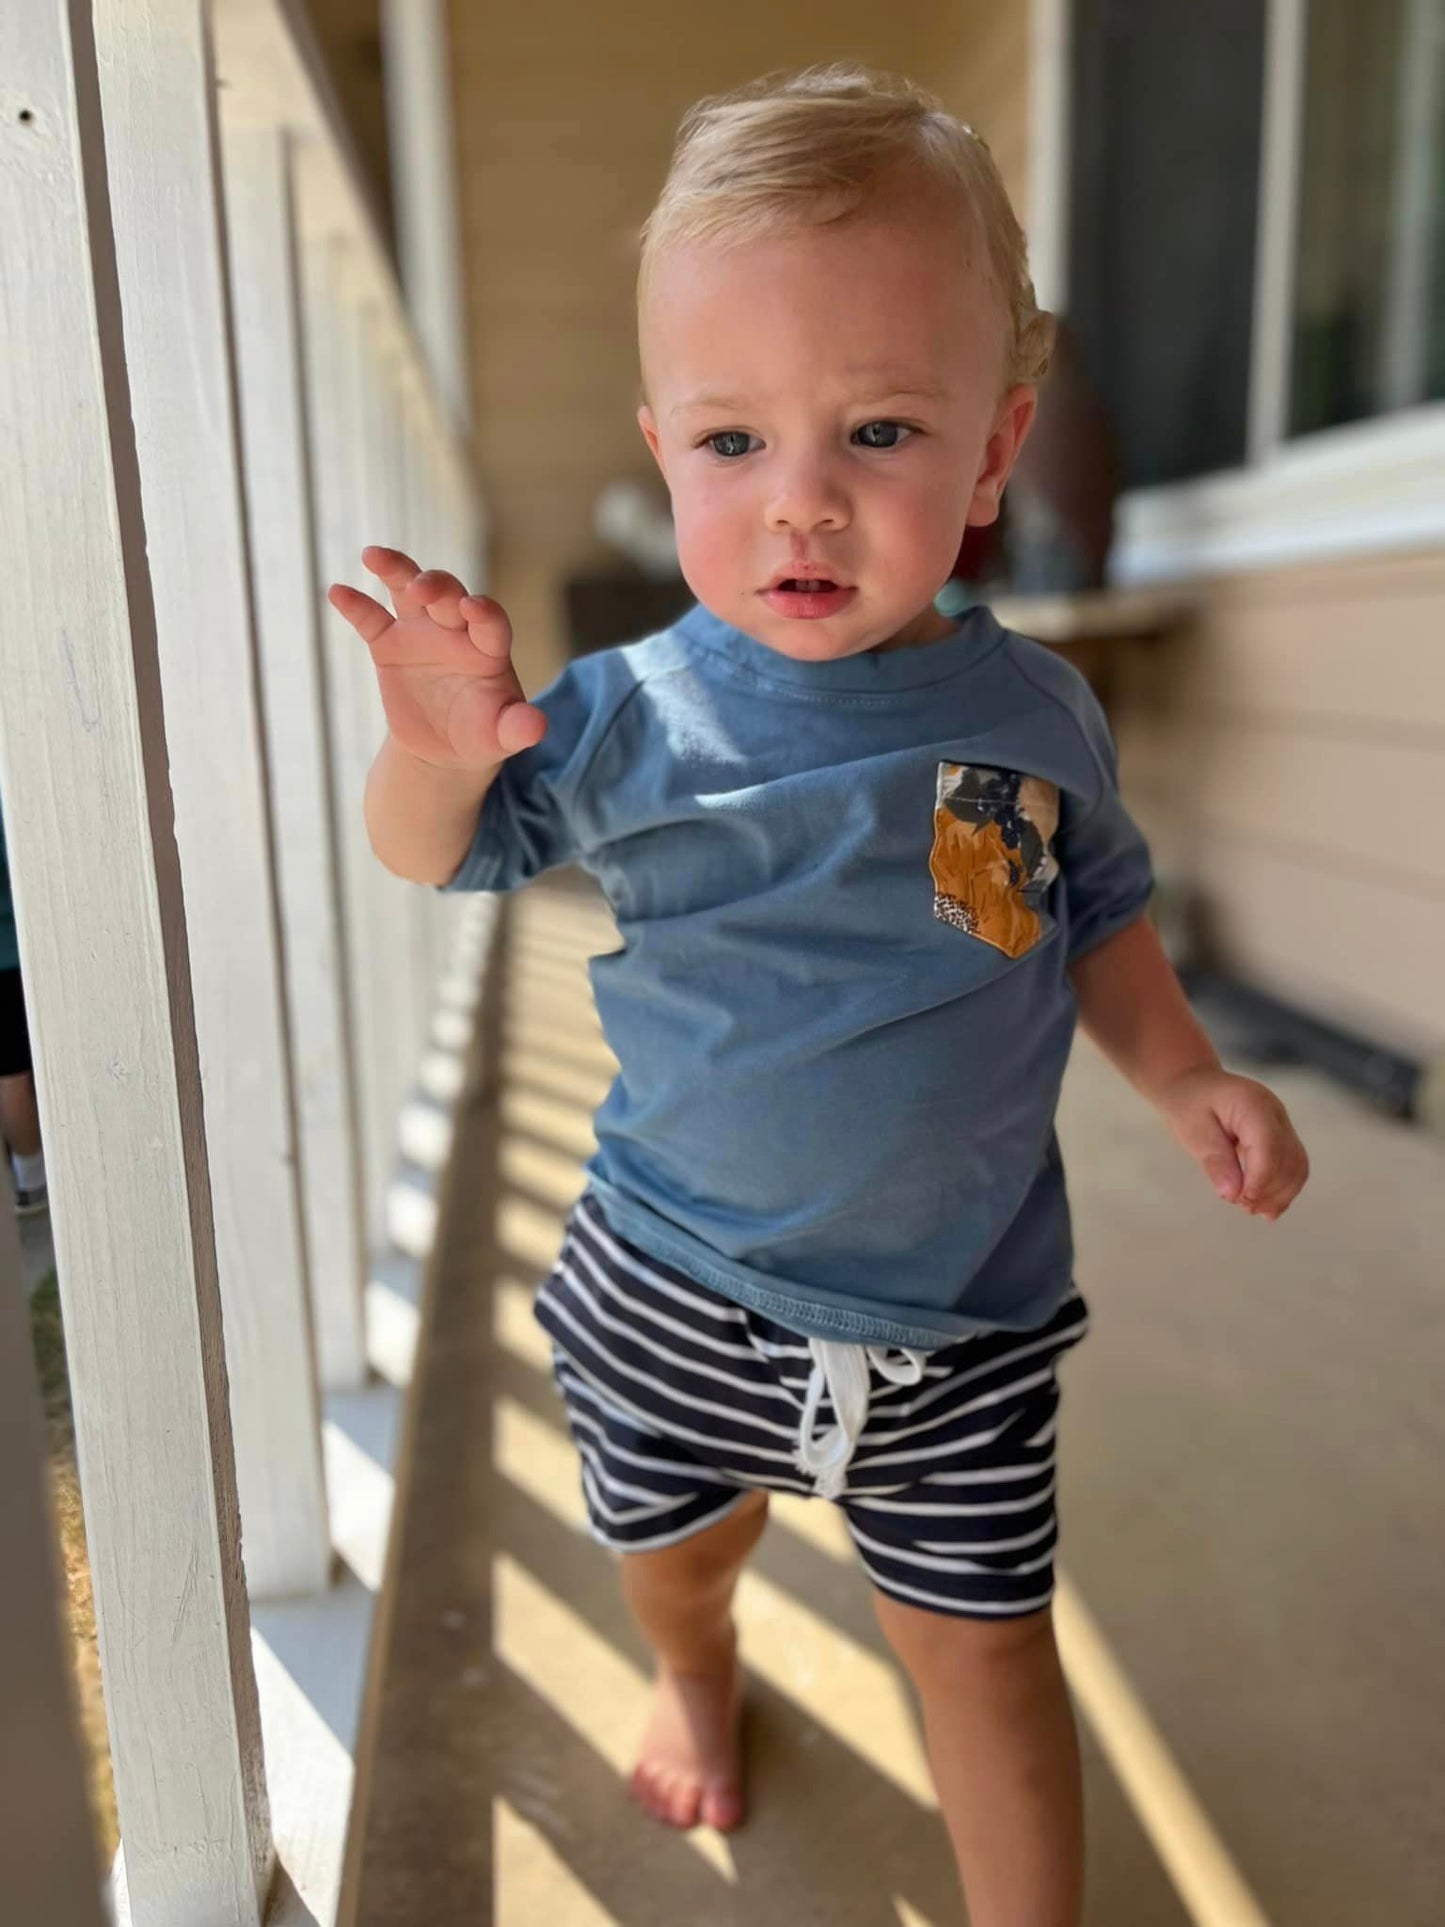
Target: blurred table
[1087, 627]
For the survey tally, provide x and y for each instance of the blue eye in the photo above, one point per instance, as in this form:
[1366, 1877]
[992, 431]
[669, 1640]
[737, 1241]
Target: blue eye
[881, 434]
[729, 443]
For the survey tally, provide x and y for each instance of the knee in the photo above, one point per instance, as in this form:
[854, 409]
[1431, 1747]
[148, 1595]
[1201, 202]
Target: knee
[937, 1646]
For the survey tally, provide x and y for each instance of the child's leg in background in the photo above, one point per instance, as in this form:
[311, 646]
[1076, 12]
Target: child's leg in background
[19, 1114]
[682, 1596]
[1005, 1758]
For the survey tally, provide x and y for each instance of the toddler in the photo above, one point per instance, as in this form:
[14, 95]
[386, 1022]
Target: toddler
[866, 863]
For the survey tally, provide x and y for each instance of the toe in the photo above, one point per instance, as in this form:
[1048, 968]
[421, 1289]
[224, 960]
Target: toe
[665, 1796]
[683, 1801]
[644, 1789]
[722, 1805]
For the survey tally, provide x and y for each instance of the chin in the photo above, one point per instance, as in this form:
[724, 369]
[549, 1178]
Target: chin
[807, 641]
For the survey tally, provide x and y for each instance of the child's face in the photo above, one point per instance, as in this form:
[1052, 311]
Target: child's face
[827, 404]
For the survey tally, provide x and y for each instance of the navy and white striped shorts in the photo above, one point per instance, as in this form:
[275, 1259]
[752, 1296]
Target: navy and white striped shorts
[681, 1402]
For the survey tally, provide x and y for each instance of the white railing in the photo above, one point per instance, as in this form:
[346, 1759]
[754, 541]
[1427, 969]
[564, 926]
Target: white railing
[210, 398]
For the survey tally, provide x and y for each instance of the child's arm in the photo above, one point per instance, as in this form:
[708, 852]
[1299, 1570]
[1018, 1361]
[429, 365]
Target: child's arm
[454, 708]
[1133, 1007]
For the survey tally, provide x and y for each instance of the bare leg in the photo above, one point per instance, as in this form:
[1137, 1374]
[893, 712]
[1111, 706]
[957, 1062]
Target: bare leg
[19, 1114]
[1005, 1759]
[689, 1769]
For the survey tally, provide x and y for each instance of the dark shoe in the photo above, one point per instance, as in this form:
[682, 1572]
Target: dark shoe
[29, 1204]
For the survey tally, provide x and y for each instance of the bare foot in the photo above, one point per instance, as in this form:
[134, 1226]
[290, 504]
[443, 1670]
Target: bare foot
[690, 1769]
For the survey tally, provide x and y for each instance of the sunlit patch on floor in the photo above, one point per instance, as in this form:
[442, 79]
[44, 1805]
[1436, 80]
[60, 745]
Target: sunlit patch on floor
[552, 1176]
[514, 1327]
[533, 1883]
[859, 1697]
[567, 1127]
[579, 1084]
[539, 1461]
[527, 1231]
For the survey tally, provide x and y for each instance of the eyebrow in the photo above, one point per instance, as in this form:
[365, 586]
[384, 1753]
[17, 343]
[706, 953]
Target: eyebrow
[905, 391]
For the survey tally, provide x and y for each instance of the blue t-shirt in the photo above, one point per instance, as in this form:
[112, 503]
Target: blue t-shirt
[848, 893]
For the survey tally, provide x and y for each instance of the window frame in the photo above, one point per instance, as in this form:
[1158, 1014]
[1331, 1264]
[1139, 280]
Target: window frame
[1369, 487]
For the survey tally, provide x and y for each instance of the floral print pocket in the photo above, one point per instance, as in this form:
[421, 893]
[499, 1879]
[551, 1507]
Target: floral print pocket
[992, 859]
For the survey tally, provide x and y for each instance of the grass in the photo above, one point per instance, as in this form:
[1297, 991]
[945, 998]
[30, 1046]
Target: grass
[47, 1337]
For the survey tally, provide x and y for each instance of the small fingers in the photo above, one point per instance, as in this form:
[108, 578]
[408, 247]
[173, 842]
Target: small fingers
[363, 612]
[436, 593]
[488, 626]
[398, 572]
[441, 595]
[1275, 1173]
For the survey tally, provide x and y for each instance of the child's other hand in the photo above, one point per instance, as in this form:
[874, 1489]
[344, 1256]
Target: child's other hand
[444, 662]
[1241, 1135]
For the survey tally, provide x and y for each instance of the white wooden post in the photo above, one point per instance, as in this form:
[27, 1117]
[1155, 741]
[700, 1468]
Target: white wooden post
[424, 537]
[1404, 350]
[383, 508]
[1277, 237]
[49, 1868]
[332, 328]
[423, 172]
[1050, 125]
[155, 73]
[265, 303]
[103, 926]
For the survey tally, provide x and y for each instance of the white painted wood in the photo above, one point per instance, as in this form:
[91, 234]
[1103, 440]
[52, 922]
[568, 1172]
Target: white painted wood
[421, 533]
[417, 69]
[1050, 134]
[49, 1869]
[1277, 231]
[1374, 487]
[381, 480]
[103, 926]
[275, 72]
[287, 598]
[329, 328]
[155, 72]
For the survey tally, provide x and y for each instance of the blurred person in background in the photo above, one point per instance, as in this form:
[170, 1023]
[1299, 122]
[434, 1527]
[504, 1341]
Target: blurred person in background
[19, 1114]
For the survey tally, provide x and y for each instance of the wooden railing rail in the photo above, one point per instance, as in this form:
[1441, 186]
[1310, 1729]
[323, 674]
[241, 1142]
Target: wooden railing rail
[210, 398]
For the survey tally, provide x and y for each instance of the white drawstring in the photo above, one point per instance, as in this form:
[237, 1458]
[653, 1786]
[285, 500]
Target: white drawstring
[842, 1372]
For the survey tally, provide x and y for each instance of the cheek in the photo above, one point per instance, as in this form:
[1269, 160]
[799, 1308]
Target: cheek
[711, 518]
[920, 521]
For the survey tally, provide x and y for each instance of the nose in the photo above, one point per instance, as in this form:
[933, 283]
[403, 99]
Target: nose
[807, 495]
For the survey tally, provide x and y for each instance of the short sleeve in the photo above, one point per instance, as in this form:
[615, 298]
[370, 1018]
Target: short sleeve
[1107, 874]
[531, 818]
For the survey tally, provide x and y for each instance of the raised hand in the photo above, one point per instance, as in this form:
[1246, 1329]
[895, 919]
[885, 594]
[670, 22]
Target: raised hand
[444, 663]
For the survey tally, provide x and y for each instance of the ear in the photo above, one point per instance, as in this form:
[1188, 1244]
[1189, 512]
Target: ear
[648, 424]
[1014, 419]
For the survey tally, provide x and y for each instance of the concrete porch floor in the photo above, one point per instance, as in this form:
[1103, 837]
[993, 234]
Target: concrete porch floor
[1252, 1512]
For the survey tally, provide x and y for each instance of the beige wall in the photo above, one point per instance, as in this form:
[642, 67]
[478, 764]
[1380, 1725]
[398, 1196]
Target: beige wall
[1288, 757]
[566, 111]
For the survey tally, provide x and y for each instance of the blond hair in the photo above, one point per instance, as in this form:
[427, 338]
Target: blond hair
[817, 146]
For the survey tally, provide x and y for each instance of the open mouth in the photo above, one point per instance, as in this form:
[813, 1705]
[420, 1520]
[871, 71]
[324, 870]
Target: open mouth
[809, 596]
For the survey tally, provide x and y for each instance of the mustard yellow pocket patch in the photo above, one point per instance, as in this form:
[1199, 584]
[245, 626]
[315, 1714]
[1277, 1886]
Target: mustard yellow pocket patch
[992, 859]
